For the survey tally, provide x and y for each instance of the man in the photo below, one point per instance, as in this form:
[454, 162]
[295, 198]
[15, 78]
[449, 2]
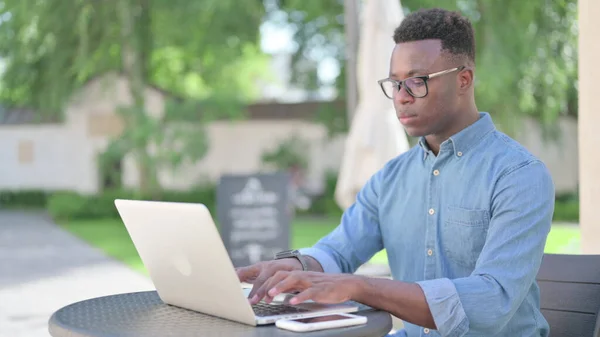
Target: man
[463, 216]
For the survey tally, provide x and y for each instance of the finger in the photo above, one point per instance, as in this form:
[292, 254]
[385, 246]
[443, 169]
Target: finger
[248, 274]
[295, 282]
[258, 284]
[262, 291]
[308, 294]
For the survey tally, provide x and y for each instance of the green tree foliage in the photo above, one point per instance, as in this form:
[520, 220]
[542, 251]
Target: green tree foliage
[526, 51]
[204, 53]
[191, 48]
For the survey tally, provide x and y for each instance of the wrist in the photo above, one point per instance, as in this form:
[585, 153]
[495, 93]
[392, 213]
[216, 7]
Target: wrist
[293, 254]
[313, 264]
[293, 263]
[358, 287]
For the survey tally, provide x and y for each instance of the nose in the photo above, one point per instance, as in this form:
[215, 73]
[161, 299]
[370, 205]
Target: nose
[403, 97]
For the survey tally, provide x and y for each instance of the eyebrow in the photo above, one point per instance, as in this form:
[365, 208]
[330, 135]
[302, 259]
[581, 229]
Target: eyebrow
[410, 73]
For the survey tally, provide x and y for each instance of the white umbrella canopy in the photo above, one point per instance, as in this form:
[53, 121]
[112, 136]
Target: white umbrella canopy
[376, 136]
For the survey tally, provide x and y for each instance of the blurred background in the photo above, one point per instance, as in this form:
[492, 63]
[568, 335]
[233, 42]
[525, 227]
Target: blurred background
[159, 99]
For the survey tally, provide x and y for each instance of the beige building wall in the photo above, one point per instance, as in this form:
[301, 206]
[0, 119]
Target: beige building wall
[560, 154]
[236, 148]
[93, 113]
[65, 156]
[589, 124]
[40, 157]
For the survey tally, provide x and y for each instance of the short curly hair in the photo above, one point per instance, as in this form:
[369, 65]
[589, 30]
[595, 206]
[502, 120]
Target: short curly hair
[453, 29]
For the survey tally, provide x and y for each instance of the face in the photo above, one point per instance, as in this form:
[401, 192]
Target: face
[434, 113]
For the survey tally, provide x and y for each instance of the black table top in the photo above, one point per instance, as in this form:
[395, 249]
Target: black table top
[144, 314]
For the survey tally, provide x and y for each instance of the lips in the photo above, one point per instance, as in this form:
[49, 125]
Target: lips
[405, 119]
[406, 116]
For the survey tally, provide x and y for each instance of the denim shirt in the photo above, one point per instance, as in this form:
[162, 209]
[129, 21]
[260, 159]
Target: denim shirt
[468, 225]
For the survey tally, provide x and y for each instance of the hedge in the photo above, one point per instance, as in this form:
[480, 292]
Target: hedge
[71, 205]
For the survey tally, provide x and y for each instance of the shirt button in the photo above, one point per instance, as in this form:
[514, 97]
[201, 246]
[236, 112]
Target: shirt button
[459, 154]
[431, 211]
[436, 173]
[426, 330]
[430, 252]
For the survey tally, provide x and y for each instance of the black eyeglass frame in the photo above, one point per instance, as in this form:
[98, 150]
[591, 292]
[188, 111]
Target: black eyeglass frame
[398, 84]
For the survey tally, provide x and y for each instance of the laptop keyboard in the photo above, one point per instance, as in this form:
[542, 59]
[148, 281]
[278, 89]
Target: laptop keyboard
[264, 309]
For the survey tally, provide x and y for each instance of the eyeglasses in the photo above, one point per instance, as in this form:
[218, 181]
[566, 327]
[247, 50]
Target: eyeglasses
[416, 86]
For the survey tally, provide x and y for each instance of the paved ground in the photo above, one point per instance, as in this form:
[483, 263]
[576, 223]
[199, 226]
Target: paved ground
[43, 268]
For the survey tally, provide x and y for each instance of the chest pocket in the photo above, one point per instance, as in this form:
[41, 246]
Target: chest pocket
[463, 234]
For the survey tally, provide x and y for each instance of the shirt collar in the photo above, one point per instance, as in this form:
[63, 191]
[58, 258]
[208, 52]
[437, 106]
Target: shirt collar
[424, 147]
[463, 141]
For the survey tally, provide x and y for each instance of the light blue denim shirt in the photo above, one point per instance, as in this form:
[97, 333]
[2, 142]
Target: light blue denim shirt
[468, 225]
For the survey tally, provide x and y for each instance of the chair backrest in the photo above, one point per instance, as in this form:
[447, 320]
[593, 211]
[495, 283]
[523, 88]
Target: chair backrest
[570, 294]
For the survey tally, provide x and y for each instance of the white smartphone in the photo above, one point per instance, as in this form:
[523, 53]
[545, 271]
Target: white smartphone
[321, 322]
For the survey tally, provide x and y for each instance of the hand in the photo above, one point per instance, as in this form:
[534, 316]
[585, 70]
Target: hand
[257, 274]
[319, 287]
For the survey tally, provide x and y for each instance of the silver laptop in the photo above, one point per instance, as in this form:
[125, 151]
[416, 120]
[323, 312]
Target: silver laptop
[182, 250]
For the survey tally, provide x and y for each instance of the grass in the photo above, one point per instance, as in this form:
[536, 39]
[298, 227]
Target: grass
[110, 236]
[564, 239]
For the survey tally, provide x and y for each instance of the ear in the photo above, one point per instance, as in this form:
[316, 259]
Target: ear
[465, 80]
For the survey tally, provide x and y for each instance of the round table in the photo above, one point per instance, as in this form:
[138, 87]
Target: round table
[144, 314]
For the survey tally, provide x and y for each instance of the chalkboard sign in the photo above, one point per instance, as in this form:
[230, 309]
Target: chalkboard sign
[254, 216]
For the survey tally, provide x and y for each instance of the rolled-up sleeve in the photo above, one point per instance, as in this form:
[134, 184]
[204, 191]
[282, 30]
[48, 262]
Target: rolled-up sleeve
[358, 236]
[484, 302]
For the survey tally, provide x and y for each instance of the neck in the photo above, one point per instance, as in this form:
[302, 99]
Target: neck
[459, 122]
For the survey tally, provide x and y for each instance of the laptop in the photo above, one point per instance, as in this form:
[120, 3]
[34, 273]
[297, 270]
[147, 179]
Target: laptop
[184, 254]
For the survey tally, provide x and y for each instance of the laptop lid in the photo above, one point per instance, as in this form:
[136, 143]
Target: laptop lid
[187, 261]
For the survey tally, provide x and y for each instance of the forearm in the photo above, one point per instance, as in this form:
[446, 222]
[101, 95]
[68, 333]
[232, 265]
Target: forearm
[403, 300]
